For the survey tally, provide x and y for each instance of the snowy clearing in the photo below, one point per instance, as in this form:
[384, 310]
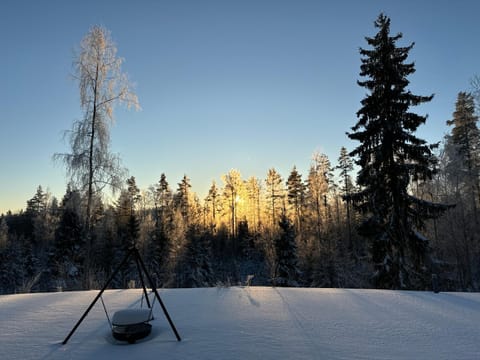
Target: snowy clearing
[249, 323]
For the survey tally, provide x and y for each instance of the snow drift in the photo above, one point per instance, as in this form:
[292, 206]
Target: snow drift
[249, 323]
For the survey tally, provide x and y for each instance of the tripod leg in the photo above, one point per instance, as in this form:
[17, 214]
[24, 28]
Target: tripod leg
[137, 256]
[97, 297]
[159, 299]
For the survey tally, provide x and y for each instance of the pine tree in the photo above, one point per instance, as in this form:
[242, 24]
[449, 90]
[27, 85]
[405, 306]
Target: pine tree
[345, 165]
[194, 268]
[211, 206]
[176, 233]
[465, 141]
[127, 222]
[67, 257]
[286, 268]
[254, 190]
[462, 150]
[160, 239]
[36, 206]
[296, 192]
[133, 221]
[133, 192]
[183, 198]
[275, 195]
[389, 157]
[318, 184]
[231, 193]
[127, 226]
[38, 203]
[163, 195]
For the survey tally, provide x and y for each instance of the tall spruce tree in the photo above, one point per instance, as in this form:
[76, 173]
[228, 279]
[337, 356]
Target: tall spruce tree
[465, 141]
[390, 156]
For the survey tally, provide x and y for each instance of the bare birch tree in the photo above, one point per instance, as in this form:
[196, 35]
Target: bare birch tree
[90, 165]
[102, 84]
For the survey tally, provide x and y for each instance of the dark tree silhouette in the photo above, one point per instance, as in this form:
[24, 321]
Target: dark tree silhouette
[286, 267]
[390, 156]
[296, 194]
[68, 254]
[345, 165]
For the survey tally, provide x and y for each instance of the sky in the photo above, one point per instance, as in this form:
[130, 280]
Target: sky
[247, 85]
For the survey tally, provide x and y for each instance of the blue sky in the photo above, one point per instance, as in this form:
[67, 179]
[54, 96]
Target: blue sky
[247, 84]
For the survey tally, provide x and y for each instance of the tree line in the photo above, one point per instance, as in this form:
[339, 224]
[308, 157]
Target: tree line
[282, 231]
[395, 212]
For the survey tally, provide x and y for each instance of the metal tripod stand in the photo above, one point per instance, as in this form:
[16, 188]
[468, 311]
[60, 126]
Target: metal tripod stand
[131, 253]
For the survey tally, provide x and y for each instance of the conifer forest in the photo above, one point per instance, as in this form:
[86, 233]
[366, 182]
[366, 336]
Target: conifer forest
[394, 212]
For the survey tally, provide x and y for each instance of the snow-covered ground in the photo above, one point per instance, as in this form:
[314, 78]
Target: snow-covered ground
[249, 323]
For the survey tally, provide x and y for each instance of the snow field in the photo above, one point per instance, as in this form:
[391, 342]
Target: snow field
[249, 323]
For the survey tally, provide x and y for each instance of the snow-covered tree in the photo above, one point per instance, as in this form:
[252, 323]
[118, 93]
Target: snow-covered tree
[318, 184]
[275, 195]
[176, 233]
[102, 85]
[465, 143]
[253, 189]
[233, 186]
[389, 157]
[461, 170]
